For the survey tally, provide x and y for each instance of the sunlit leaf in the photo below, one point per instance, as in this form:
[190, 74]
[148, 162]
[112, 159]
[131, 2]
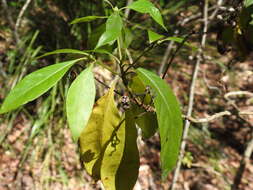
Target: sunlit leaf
[145, 6]
[113, 30]
[80, 100]
[248, 3]
[96, 135]
[66, 51]
[152, 36]
[169, 119]
[86, 19]
[112, 156]
[35, 84]
[179, 40]
[128, 170]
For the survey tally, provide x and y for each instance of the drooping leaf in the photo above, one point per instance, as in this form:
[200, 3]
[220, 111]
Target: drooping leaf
[248, 3]
[147, 121]
[169, 119]
[179, 40]
[112, 156]
[35, 84]
[128, 170]
[86, 19]
[152, 36]
[113, 30]
[96, 135]
[62, 51]
[80, 100]
[145, 6]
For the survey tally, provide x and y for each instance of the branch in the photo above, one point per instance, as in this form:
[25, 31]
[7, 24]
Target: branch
[117, 92]
[175, 53]
[191, 98]
[207, 119]
[243, 164]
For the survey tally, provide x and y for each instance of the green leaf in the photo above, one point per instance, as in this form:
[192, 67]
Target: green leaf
[61, 51]
[35, 84]
[86, 19]
[169, 119]
[179, 40]
[152, 36]
[80, 100]
[112, 156]
[128, 37]
[146, 121]
[113, 30]
[130, 161]
[248, 3]
[96, 135]
[145, 6]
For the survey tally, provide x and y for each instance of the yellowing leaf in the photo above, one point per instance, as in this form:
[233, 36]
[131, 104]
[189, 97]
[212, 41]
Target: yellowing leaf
[112, 157]
[96, 135]
[128, 170]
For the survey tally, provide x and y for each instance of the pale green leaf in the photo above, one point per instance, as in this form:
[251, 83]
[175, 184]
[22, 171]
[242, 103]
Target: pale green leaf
[96, 135]
[35, 84]
[169, 119]
[152, 36]
[113, 30]
[145, 6]
[179, 40]
[80, 100]
[248, 3]
[86, 19]
[128, 170]
[62, 51]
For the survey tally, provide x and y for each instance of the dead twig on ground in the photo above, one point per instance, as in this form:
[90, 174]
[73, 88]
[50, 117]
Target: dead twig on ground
[207, 119]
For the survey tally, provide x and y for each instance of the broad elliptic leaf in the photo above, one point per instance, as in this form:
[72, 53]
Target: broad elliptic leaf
[145, 6]
[152, 36]
[86, 19]
[112, 156]
[35, 84]
[96, 135]
[80, 100]
[113, 30]
[147, 121]
[169, 119]
[128, 170]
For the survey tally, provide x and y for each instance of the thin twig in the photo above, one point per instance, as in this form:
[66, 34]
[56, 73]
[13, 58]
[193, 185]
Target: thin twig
[191, 98]
[175, 53]
[147, 49]
[243, 164]
[20, 15]
[207, 119]
[127, 11]
[237, 93]
[117, 92]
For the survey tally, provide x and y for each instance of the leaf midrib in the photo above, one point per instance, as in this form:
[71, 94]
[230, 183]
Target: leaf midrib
[29, 89]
